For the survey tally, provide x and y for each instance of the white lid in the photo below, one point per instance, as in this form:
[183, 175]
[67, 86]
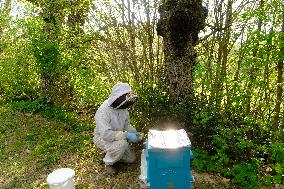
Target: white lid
[60, 176]
[169, 139]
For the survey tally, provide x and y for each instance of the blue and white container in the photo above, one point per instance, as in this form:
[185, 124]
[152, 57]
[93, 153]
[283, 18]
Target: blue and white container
[168, 155]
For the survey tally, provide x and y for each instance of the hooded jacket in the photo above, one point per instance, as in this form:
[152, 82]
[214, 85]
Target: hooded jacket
[111, 122]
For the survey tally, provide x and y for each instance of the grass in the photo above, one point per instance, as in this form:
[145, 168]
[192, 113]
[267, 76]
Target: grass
[34, 144]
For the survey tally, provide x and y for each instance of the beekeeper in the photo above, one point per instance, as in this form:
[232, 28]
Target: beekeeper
[113, 130]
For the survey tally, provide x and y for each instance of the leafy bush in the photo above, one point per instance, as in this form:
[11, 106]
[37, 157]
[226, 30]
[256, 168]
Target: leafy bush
[38, 105]
[202, 161]
[19, 77]
[151, 105]
[42, 106]
[245, 174]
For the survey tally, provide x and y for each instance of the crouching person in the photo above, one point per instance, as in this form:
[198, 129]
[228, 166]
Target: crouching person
[113, 130]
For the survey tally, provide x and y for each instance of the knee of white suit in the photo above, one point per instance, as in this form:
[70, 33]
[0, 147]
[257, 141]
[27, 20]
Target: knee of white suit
[122, 145]
[115, 151]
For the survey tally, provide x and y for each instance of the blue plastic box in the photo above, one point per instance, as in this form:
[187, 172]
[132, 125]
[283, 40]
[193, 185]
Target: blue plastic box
[169, 168]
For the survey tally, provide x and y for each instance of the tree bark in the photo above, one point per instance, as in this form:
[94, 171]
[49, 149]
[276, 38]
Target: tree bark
[218, 81]
[251, 69]
[46, 49]
[76, 18]
[179, 24]
[226, 40]
[266, 74]
[4, 15]
[275, 124]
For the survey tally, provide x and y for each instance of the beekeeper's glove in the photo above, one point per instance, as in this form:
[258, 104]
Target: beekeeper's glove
[132, 137]
[132, 131]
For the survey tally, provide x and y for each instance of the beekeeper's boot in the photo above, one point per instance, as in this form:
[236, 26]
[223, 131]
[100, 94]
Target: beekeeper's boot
[110, 169]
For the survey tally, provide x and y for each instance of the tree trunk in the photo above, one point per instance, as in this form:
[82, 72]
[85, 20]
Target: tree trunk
[132, 35]
[46, 50]
[48, 60]
[266, 74]
[225, 53]
[77, 16]
[275, 124]
[179, 24]
[251, 69]
[4, 15]
[150, 37]
[218, 81]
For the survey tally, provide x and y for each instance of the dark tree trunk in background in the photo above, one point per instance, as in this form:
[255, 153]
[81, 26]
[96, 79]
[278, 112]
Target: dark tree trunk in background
[54, 78]
[275, 124]
[46, 48]
[252, 67]
[77, 16]
[226, 50]
[4, 15]
[48, 59]
[179, 24]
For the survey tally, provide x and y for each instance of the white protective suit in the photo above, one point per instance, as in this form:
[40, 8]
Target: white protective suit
[110, 124]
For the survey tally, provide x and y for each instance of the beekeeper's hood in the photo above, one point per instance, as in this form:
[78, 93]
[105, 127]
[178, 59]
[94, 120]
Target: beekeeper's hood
[118, 90]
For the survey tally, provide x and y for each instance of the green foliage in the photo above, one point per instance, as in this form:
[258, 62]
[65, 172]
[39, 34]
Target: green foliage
[277, 152]
[151, 105]
[18, 78]
[277, 156]
[36, 106]
[202, 161]
[236, 147]
[65, 55]
[245, 174]
[43, 107]
[42, 144]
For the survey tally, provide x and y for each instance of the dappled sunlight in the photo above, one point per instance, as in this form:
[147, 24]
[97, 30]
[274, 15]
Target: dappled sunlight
[30, 164]
[212, 68]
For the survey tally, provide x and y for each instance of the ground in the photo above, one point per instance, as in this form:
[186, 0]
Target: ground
[33, 145]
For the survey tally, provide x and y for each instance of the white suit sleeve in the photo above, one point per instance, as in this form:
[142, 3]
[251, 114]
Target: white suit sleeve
[127, 125]
[105, 129]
